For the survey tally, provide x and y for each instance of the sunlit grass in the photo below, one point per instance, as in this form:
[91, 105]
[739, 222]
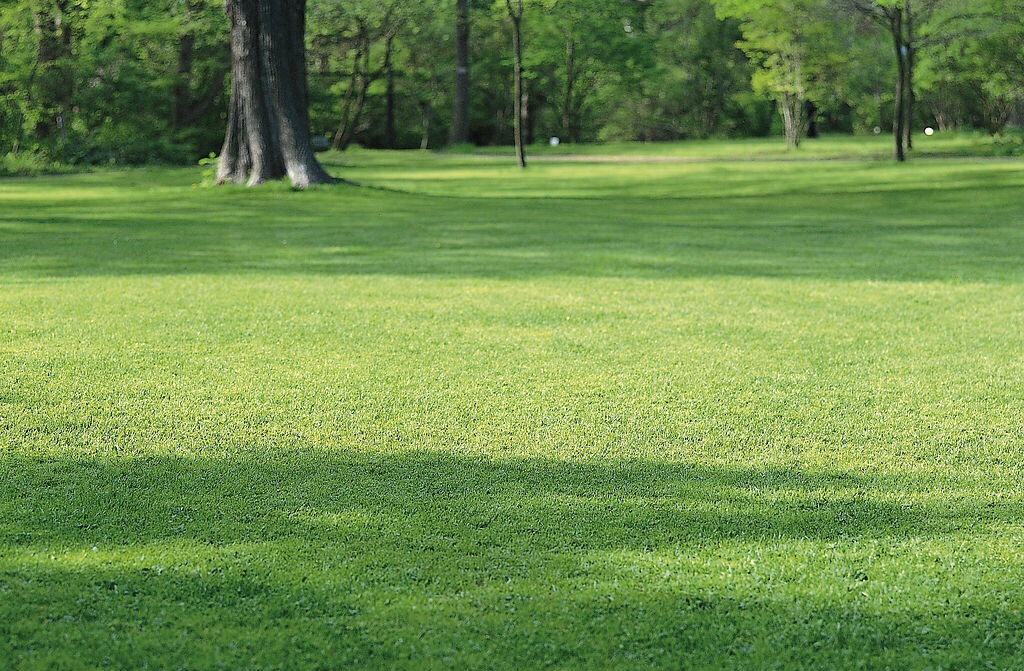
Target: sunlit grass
[617, 417]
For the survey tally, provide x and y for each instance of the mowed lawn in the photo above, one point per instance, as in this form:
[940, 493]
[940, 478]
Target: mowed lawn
[604, 413]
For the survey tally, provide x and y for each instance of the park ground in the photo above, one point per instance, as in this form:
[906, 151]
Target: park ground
[691, 406]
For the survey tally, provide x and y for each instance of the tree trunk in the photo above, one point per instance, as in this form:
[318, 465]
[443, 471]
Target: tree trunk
[792, 118]
[518, 96]
[268, 134]
[180, 104]
[460, 106]
[426, 116]
[350, 94]
[899, 110]
[908, 85]
[570, 90]
[53, 78]
[791, 97]
[355, 97]
[389, 95]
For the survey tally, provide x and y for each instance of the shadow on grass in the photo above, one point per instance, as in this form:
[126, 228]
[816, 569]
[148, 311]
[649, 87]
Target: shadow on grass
[913, 236]
[528, 503]
[430, 560]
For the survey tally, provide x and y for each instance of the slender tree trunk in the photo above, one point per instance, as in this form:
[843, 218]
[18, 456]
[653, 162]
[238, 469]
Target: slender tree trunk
[460, 106]
[899, 117]
[268, 134]
[187, 105]
[908, 85]
[426, 117]
[570, 89]
[360, 83]
[54, 80]
[791, 97]
[518, 95]
[186, 55]
[350, 94]
[389, 95]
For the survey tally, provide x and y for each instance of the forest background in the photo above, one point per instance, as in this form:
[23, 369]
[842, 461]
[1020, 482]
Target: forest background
[142, 81]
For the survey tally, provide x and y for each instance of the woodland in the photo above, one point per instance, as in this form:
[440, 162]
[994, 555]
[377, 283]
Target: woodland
[148, 81]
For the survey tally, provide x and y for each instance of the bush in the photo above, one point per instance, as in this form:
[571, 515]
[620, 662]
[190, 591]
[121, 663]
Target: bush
[25, 164]
[1009, 142]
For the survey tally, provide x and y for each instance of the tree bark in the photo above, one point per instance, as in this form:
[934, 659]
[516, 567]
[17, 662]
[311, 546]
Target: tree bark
[426, 117]
[268, 135]
[899, 112]
[791, 107]
[186, 55]
[908, 85]
[389, 96]
[570, 90]
[459, 133]
[519, 98]
[53, 80]
[355, 97]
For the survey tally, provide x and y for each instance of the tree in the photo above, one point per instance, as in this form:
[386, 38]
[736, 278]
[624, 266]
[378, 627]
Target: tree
[896, 17]
[786, 39]
[359, 36]
[201, 71]
[915, 26]
[993, 65]
[576, 48]
[520, 109]
[459, 132]
[425, 70]
[701, 75]
[268, 134]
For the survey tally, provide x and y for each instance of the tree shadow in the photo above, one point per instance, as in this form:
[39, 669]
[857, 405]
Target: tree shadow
[596, 505]
[906, 235]
[430, 559]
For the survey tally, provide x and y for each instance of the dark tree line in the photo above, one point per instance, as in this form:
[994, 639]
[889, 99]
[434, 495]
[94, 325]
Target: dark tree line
[153, 80]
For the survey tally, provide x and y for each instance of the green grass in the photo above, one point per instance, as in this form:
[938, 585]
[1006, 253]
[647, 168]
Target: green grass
[718, 414]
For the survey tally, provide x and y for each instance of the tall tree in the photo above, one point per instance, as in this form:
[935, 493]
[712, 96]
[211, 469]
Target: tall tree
[982, 55]
[519, 101]
[201, 66]
[54, 25]
[268, 133]
[786, 39]
[459, 132]
[353, 44]
[897, 19]
[701, 72]
[575, 49]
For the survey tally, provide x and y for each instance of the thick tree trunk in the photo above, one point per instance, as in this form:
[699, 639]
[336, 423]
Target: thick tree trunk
[460, 106]
[268, 136]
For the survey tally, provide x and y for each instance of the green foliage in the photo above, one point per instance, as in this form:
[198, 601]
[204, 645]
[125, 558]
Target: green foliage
[97, 82]
[24, 164]
[208, 174]
[695, 411]
[1010, 142]
[109, 81]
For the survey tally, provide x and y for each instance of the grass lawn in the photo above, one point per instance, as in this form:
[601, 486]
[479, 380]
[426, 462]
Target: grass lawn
[697, 412]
